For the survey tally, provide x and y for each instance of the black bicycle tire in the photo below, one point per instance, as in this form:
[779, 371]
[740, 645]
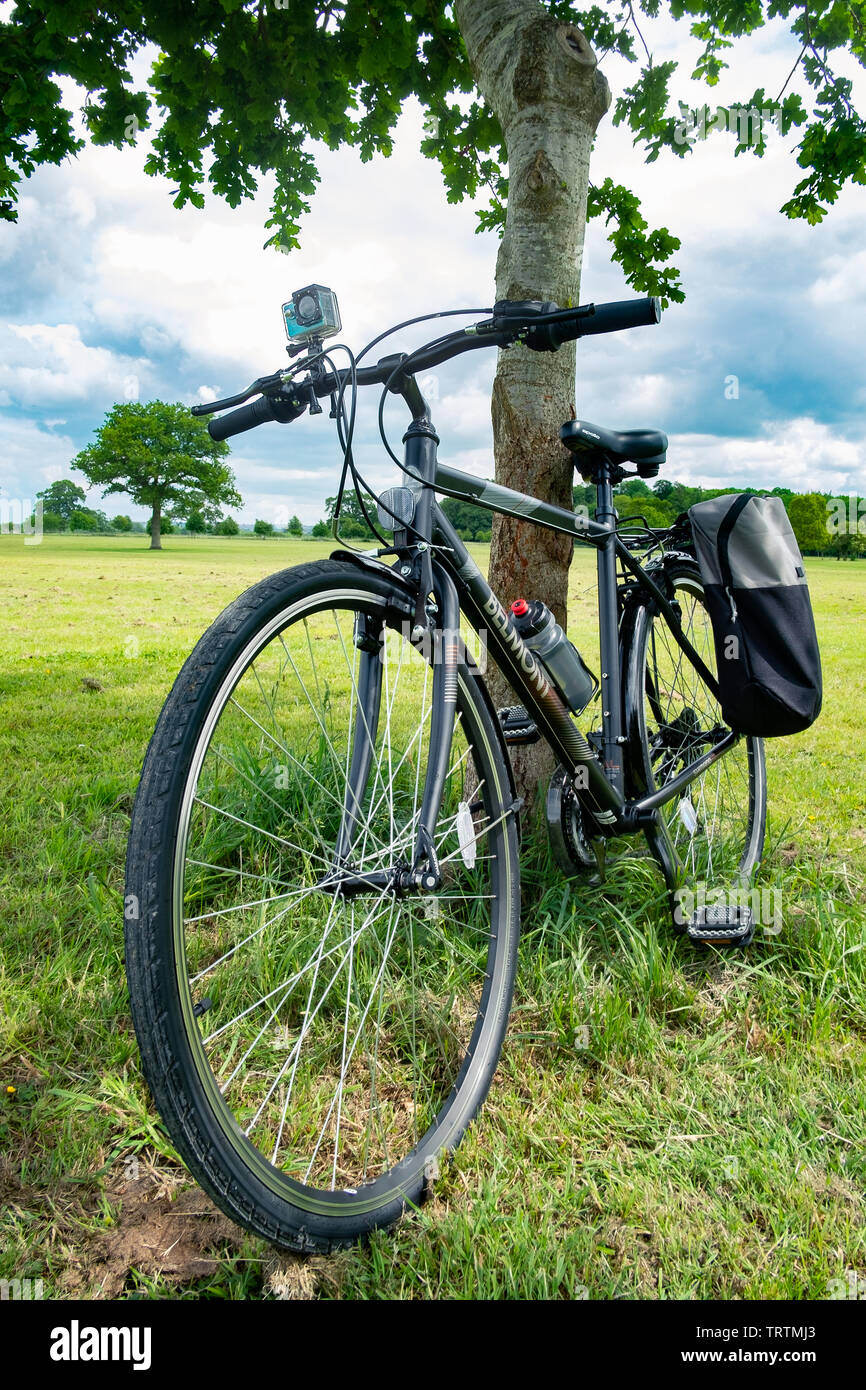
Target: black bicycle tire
[187, 1109]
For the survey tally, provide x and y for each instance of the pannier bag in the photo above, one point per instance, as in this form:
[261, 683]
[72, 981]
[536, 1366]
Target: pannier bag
[767, 658]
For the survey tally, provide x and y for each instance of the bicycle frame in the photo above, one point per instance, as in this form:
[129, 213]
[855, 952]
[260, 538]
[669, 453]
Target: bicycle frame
[459, 585]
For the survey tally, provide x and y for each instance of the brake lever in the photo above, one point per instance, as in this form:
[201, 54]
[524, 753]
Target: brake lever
[261, 384]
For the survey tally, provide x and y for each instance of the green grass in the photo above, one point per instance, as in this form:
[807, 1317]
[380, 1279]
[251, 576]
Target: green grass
[662, 1124]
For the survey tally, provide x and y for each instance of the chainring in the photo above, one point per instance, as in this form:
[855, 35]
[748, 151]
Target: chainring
[571, 847]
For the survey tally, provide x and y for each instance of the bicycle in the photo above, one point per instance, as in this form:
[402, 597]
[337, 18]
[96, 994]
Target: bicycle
[324, 846]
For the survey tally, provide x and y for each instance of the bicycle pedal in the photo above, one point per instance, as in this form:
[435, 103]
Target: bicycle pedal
[517, 727]
[721, 924]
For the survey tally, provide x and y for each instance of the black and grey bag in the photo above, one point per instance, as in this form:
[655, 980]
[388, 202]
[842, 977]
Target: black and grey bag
[767, 658]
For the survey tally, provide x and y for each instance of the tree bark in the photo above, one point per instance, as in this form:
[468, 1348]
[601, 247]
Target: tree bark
[155, 527]
[540, 77]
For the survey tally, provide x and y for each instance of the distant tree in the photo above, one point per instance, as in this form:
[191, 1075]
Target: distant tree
[321, 530]
[52, 521]
[227, 527]
[294, 527]
[166, 525]
[663, 488]
[352, 523]
[512, 94]
[196, 524]
[633, 487]
[654, 512]
[84, 520]
[159, 454]
[848, 546]
[121, 523]
[682, 496]
[263, 528]
[466, 518]
[807, 513]
[63, 497]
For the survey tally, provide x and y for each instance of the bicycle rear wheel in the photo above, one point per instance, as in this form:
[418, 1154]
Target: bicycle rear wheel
[716, 827]
[313, 1053]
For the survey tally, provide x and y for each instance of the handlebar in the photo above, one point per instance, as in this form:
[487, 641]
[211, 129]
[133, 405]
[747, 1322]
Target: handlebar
[265, 408]
[539, 325]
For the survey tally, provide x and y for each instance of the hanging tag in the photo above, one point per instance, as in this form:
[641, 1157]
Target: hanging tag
[466, 834]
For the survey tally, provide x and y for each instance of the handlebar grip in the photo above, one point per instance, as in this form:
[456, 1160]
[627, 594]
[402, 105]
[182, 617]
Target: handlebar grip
[256, 413]
[624, 313]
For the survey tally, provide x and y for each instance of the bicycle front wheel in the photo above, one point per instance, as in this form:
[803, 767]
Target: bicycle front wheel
[716, 825]
[313, 1052]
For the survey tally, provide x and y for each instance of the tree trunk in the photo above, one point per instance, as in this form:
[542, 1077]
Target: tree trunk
[540, 77]
[155, 525]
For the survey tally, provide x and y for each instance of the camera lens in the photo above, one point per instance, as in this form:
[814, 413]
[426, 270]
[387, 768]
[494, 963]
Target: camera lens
[307, 309]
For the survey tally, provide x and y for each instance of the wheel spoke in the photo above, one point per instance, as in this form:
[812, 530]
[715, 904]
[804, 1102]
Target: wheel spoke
[681, 721]
[334, 1017]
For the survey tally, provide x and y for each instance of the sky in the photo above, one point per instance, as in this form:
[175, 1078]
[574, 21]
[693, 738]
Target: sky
[108, 293]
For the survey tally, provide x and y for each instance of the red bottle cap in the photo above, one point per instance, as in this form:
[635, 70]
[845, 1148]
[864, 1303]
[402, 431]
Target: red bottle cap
[519, 607]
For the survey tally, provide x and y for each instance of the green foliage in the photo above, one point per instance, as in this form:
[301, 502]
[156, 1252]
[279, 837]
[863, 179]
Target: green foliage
[84, 520]
[468, 520]
[52, 521]
[121, 523]
[808, 517]
[166, 526]
[294, 527]
[196, 524]
[159, 454]
[63, 497]
[241, 88]
[227, 527]
[639, 251]
[848, 546]
[663, 503]
[263, 528]
[352, 522]
[321, 530]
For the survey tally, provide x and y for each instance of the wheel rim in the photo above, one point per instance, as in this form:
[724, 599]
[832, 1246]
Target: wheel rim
[716, 826]
[335, 1039]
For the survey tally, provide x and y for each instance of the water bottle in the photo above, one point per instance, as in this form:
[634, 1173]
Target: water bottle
[560, 658]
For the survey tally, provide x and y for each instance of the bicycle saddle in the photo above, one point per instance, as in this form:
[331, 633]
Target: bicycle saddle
[623, 446]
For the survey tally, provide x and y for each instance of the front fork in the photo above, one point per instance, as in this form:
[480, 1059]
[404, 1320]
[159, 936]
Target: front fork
[437, 623]
[442, 636]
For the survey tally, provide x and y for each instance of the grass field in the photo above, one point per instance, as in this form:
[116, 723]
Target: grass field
[707, 1142]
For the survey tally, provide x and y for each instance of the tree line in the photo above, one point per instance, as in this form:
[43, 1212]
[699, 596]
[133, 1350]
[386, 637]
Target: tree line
[822, 523]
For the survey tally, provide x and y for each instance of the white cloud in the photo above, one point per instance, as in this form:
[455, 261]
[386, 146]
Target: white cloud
[51, 365]
[31, 457]
[801, 454]
[107, 282]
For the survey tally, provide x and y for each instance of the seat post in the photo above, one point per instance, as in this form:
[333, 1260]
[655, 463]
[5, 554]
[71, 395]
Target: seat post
[604, 508]
[608, 628]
